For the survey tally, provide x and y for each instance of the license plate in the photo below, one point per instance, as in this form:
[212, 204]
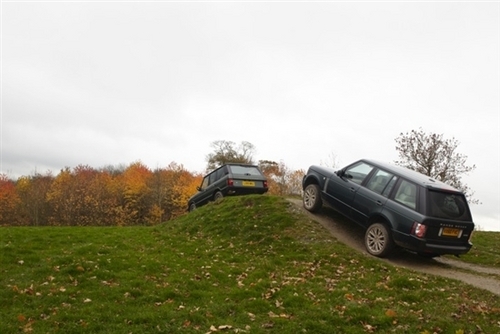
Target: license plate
[248, 183]
[451, 232]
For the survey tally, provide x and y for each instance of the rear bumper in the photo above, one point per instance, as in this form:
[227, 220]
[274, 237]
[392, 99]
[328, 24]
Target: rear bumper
[420, 245]
[234, 191]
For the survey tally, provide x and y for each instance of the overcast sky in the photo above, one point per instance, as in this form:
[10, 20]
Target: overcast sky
[112, 83]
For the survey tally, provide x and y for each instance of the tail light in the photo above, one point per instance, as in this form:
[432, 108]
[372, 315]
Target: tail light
[419, 229]
[230, 182]
[265, 184]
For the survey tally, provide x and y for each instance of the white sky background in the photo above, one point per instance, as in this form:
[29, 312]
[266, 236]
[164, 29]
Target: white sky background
[116, 82]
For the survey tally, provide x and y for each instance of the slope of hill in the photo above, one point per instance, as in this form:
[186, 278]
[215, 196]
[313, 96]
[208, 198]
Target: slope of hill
[242, 265]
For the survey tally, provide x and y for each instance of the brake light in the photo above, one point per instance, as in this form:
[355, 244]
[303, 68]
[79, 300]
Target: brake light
[265, 184]
[230, 182]
[419, 229]
[470, 235]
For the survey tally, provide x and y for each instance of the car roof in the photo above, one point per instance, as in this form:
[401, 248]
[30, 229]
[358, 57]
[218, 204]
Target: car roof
[238, 164]
[424, 180]
[232, 164]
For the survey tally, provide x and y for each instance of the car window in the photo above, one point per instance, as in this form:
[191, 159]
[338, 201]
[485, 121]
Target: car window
[204, 184]
[392, 182]
[212, 178]
[379, 181]
[220, 173]
[245, 170]
[449, 206]
[358, 172]
[407, 194]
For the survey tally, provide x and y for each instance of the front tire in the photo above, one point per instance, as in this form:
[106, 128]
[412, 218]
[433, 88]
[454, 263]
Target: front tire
[312, 198]
[192, 207]
[378, 240]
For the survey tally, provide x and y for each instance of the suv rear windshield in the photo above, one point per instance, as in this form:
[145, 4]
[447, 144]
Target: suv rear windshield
[448, 206]
[245, 170]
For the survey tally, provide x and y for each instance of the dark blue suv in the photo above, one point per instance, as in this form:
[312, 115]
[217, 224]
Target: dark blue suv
[397, 206]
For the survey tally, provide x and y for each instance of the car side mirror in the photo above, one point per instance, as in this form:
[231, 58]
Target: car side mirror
[342, 173]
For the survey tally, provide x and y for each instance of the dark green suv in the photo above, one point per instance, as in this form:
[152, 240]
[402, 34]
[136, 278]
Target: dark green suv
[229, 179]
[397, 206]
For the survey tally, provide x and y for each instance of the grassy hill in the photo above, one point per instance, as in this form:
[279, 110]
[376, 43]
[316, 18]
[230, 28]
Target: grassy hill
[250, 264]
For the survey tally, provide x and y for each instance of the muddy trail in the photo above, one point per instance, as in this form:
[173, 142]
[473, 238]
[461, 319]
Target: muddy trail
[350, 234]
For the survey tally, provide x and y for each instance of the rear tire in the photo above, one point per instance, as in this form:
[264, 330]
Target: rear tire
[378, 240]
[218, 196]
[312, 198]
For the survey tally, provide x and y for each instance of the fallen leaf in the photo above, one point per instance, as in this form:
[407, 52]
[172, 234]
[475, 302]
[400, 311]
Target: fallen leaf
[369, 328]
[390, 313]
[349, 296]
[271, 314]
[224, 327]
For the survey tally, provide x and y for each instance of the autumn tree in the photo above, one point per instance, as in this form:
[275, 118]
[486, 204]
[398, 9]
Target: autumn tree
[281, 179]
[9, 201]
[61, 199]
[295, 181]
[136, 200]
[171, 188]
[81, 197]
[34, 209]
[227, 151]
[435, 156]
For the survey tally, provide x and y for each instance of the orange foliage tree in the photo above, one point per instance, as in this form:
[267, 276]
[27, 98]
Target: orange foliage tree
[282, 180]
[79, 197]
[171, 189]
[124, 195]
[136, 194]
[32, 190]
[9, 201]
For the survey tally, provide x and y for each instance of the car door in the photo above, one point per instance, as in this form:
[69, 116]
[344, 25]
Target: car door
[221, 180]
[371, 197]
[204, 194]
[342, 187]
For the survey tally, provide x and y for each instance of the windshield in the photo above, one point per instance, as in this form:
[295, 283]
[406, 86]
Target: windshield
[449, 206]
[245, 170]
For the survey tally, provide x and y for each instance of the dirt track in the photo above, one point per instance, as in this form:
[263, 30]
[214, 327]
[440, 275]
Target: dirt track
[481, 277]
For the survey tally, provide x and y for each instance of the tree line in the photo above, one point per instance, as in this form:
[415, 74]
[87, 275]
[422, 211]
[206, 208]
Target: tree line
[136, 195]
[114, 196]
[84, 196]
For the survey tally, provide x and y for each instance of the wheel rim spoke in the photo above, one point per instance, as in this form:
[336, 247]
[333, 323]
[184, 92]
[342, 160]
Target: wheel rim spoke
[376, 240]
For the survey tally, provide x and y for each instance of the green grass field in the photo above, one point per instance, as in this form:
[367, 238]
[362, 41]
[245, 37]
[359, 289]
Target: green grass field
[250, 264]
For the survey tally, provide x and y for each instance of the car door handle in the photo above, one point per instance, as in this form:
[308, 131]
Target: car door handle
[352, 190]
[379, 203]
